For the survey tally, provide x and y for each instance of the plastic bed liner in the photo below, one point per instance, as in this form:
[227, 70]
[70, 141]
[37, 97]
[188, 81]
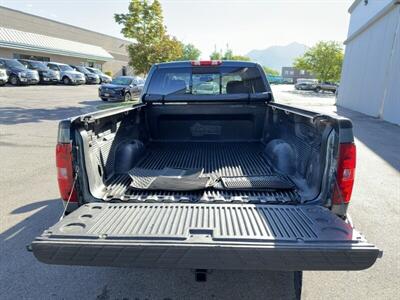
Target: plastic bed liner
[216, 158]
[243, 168]
[205, 236]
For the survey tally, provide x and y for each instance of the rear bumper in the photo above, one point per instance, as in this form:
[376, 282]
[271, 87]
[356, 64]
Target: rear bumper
[92, 80]
[112, 97]
[28, 81]
[194, 256]
[78, 81]
[48, 80]
[205, 236]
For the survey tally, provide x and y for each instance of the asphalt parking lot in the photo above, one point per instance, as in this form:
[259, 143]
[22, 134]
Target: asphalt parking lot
[29, 204]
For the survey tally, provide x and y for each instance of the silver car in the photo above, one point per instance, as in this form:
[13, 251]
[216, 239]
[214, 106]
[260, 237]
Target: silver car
[103, 77]
[67, 74]
[3, 76]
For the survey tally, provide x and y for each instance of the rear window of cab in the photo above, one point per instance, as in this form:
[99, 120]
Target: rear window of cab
[206, 81]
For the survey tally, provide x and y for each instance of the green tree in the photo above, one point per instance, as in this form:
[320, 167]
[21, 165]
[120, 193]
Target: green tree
[240, 57]
[324, 60]
[228, 55]
[216, 55]
[144, 23]
[190, 52]
[270, 71]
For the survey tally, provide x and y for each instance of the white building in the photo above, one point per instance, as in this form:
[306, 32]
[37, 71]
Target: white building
[27, 36]
[371, 70]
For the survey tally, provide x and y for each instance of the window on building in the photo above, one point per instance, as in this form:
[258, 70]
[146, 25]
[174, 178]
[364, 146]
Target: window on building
[91, 64]
[286, 72]
[291, 72]
[31, 57]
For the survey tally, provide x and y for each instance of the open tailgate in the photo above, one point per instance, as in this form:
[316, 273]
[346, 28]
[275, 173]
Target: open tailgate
[205, 236]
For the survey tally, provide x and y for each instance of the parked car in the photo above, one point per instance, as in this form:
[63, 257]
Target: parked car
[275, 79]
[103, 77]
[17, 73]
[67, 74]
[286, 80]
[327, 86]
[90, 77]
[205, 85]
[122, 88]
[230, 180]
[3, 75]
[306, 84]
[46, 75]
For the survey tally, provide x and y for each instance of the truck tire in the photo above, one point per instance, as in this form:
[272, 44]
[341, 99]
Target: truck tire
[297, 283]
[14, 80]
[317, 89]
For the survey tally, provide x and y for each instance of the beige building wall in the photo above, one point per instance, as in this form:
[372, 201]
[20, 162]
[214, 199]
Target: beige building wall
[18, 20]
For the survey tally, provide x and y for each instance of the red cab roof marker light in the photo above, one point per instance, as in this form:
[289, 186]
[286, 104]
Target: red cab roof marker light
[206, 62]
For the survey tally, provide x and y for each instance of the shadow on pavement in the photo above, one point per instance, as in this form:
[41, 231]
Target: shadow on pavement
[12, 115]
[380, 136]
[29, 279]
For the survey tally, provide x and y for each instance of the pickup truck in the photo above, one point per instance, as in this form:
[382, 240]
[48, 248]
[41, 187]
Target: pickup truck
[198, 180]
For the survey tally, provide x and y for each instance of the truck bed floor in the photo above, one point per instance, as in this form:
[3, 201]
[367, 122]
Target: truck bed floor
[221, 159]
[217, 159]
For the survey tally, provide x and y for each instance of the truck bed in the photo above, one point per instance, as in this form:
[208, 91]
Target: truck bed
[199, 181]
[230, 159]
[212, 236]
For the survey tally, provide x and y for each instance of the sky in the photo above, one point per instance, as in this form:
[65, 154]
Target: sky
[241, 25]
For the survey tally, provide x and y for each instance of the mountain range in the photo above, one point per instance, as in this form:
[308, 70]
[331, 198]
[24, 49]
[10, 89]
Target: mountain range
[277, 57]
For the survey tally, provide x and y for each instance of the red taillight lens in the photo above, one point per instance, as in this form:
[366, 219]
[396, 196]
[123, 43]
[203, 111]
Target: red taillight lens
[345, 173]
[206, 62]
[65, 174]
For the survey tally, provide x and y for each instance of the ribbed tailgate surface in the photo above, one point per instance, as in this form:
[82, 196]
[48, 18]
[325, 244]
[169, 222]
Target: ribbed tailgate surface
[204, 223]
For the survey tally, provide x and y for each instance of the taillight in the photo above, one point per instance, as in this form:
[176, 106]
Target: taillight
[206, 62]
[65, 174]
[345, 173]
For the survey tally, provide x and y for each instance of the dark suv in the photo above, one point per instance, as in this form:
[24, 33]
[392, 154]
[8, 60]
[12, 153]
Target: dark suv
[46, 75]
[90, 77]
[122, 88]
[19, 74]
